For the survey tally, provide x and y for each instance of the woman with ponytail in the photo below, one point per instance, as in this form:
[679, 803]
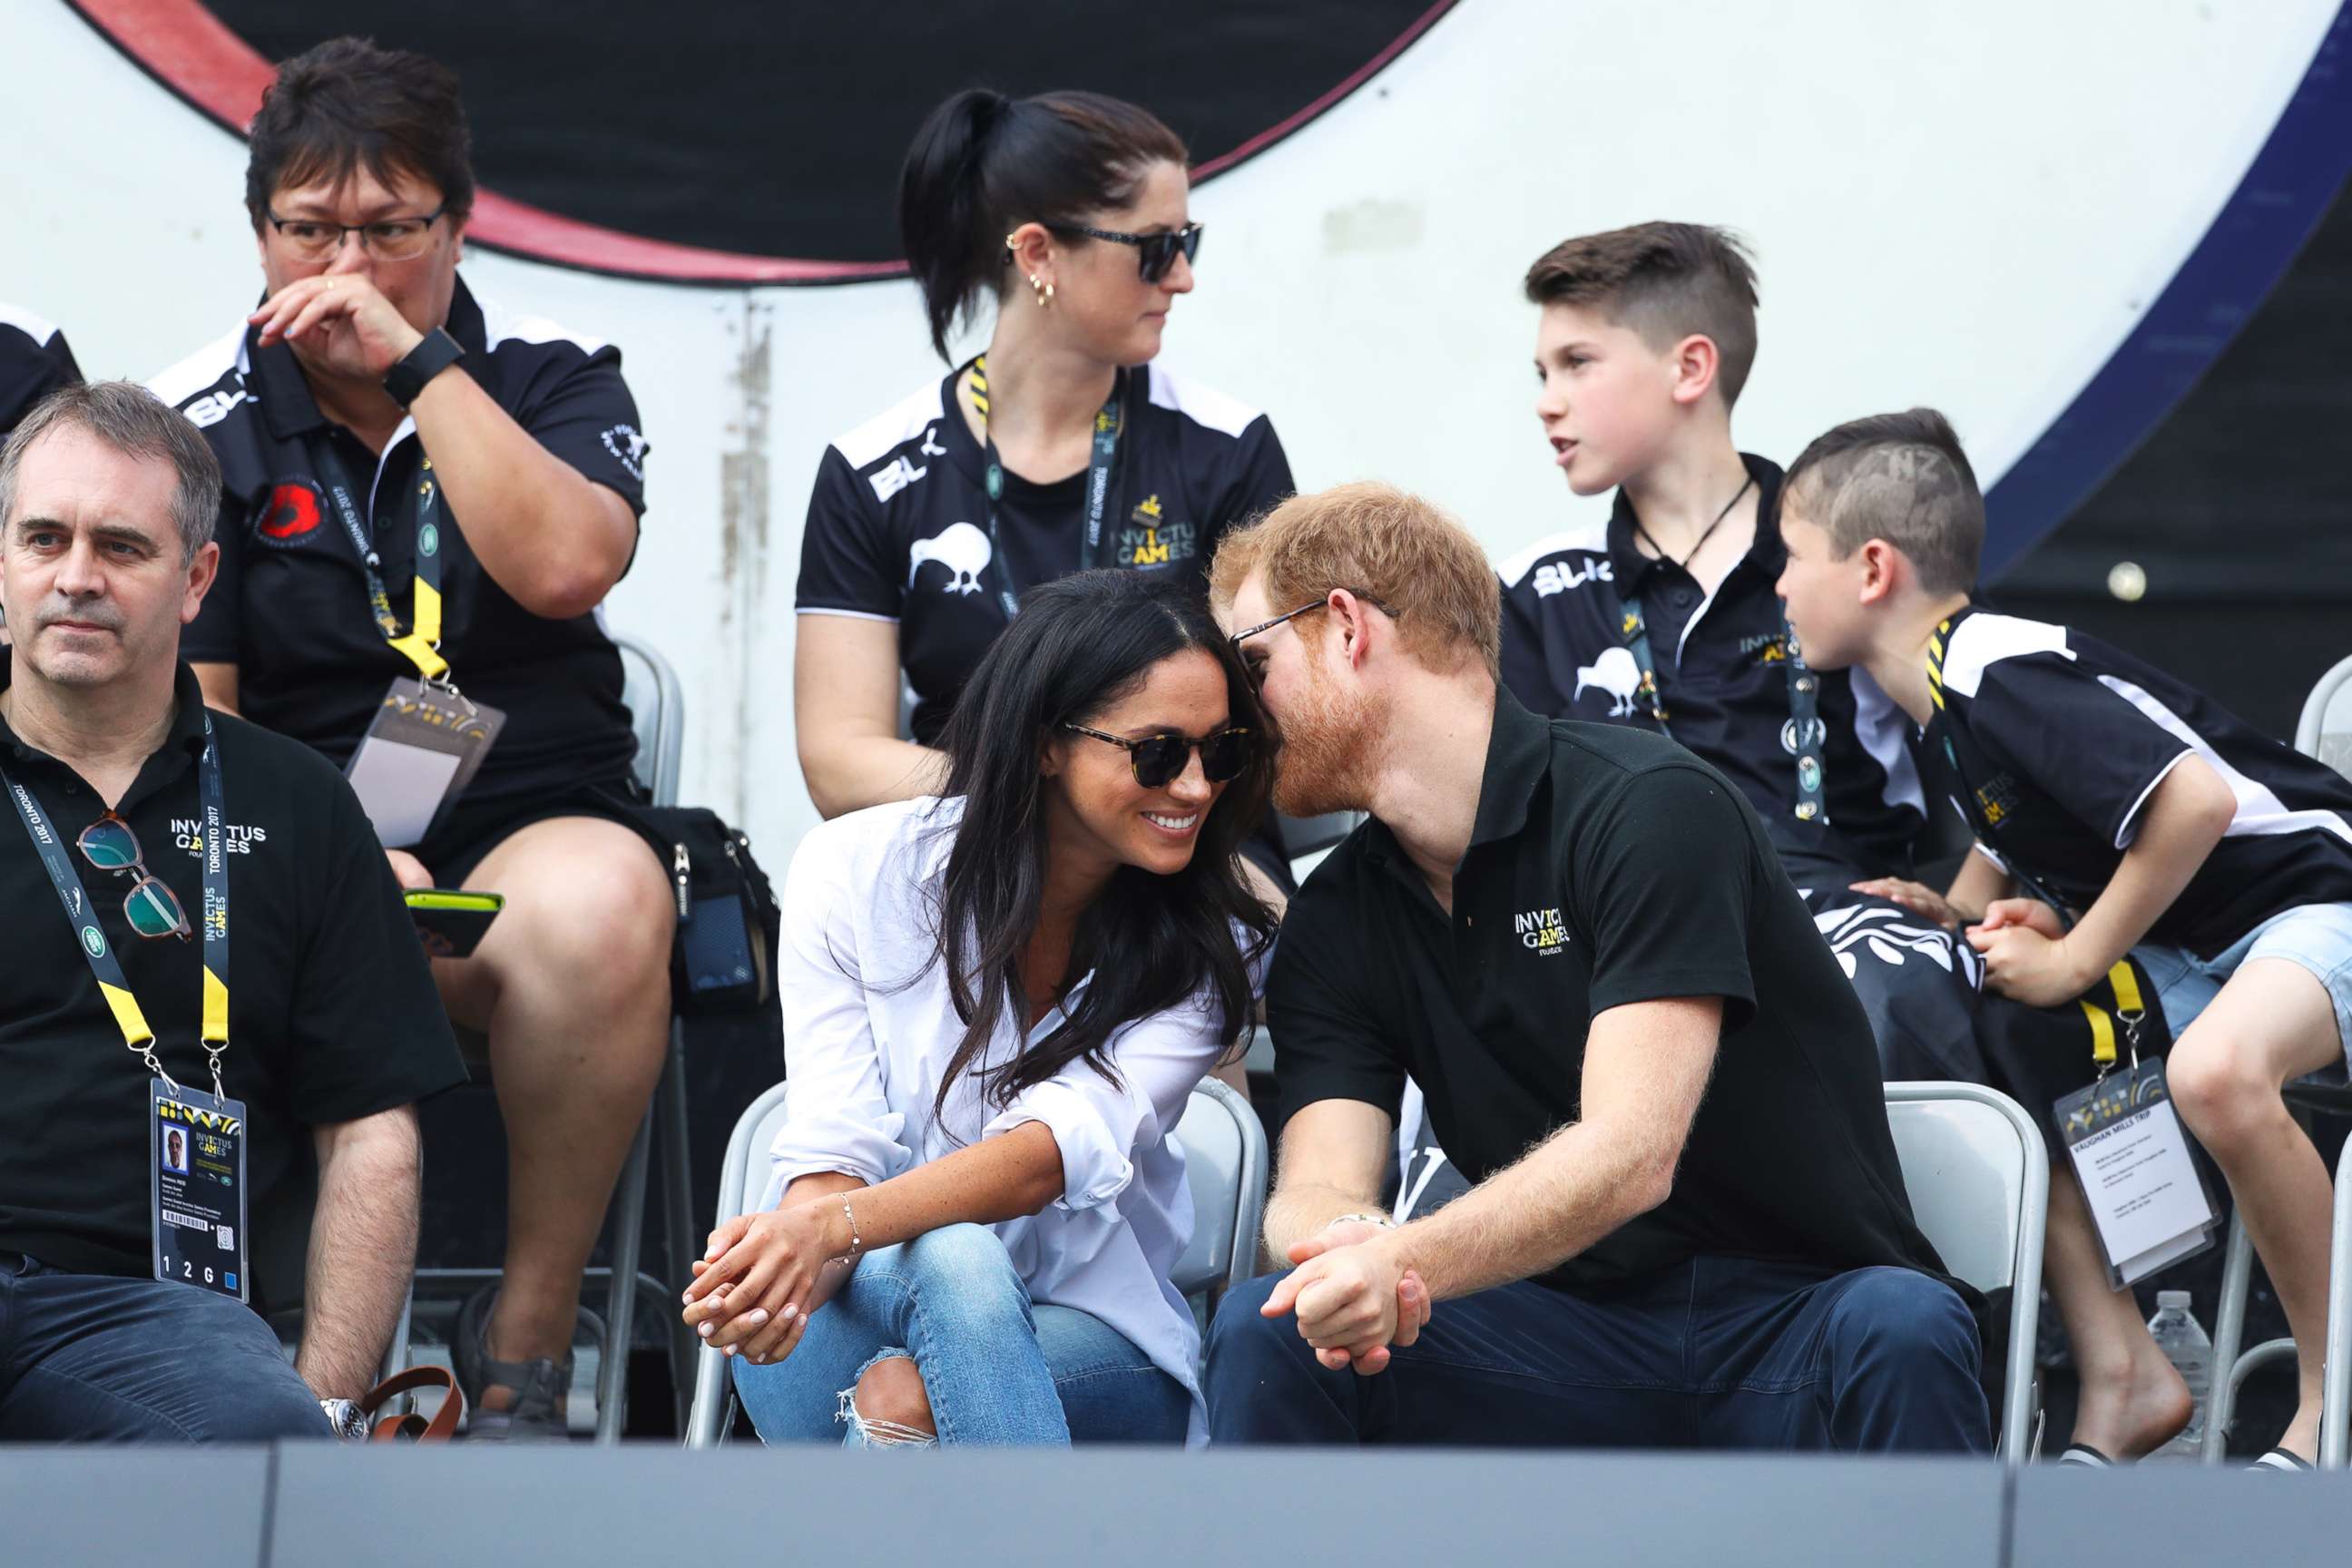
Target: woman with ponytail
[996, 1004]
[1062, 448]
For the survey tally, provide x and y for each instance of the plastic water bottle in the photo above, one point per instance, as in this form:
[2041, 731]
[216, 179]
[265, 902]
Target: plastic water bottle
[2184, 1343]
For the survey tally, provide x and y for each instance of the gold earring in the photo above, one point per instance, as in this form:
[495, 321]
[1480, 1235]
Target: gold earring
[1045, 292]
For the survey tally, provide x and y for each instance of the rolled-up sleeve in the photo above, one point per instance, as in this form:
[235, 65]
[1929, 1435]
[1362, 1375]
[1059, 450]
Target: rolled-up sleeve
[1100, 1125]
[836, 1115]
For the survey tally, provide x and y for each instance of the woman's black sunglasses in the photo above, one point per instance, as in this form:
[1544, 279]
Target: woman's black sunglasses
[1156, 253]
[1159, 759]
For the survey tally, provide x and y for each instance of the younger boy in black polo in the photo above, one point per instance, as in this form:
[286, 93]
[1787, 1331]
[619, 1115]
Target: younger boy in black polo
[2149, 817]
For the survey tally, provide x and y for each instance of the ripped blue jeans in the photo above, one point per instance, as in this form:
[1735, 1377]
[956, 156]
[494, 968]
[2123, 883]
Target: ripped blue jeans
[997, 1369]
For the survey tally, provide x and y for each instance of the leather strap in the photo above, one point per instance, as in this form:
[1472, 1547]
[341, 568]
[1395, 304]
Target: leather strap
[413, 1427]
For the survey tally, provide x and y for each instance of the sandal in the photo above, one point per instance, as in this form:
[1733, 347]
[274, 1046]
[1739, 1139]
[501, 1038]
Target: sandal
[539, 1387]
[2082, 1456]
[2278, 1461]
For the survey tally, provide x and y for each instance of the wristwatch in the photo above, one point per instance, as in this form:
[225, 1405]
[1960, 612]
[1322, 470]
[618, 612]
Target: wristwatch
[435, 353]
[349, 1424]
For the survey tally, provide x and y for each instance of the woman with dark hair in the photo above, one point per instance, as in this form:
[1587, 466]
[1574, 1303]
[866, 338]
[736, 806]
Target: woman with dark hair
[996, 1004]
[1063, 446]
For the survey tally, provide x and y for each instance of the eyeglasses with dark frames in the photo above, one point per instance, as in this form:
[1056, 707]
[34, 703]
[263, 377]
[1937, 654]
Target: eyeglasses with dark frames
[1158, 760]
[392, 238]
[1155, 253]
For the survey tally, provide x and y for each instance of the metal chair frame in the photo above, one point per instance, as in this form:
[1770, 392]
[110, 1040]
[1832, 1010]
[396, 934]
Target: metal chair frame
[2024, 1279]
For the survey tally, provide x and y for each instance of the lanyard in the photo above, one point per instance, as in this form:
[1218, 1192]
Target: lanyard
[1108, 423]
[80, 914]
[2131, 1006]
[421, 644]
[1805, 726]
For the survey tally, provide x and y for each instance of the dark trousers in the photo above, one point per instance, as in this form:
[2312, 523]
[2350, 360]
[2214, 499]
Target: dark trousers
[1715, 1353]
[92, 1358]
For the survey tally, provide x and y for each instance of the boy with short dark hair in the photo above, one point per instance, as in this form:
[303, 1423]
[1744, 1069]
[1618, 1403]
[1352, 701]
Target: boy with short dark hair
[1667, 619]
[2167, 825]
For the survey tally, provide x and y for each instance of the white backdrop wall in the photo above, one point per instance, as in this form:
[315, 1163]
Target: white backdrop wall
[1969, 206]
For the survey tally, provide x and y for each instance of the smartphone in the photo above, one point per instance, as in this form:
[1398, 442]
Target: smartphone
[450, 920]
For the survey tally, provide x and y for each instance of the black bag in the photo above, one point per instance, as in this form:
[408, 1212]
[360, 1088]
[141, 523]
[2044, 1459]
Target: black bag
[728, 918]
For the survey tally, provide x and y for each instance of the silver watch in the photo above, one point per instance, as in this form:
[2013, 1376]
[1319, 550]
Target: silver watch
[1383, 1221]
[349, 1423]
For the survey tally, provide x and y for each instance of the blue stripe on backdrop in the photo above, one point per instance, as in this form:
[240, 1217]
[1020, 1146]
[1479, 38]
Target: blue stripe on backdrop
[2284, 194]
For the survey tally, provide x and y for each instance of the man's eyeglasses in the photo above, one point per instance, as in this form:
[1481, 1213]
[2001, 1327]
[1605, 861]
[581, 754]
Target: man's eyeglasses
[1159, 759]
[1248, 632]
[390, 239]
[153, 909]
[1155, 253]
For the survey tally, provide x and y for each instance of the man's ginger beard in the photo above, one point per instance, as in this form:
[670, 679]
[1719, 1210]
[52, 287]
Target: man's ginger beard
[1329, 744]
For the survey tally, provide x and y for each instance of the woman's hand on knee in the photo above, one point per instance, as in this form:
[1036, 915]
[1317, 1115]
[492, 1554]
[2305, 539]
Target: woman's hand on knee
[756, 1282]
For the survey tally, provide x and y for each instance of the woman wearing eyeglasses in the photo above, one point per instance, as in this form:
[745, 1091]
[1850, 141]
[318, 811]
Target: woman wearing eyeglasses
[996, 1004]
[1063, 446]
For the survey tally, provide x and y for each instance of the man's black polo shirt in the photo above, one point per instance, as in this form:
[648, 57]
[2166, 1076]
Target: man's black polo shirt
[33, 362]
[290, 610]
[332, 1014]
[1607, 867]
[1722, 677]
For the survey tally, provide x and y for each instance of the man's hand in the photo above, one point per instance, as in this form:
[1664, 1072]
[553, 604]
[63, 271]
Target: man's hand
[408, 870]
[1917, 897]
[1354, 1299]
[340, 322]
[756, 1284]
[2027, 955]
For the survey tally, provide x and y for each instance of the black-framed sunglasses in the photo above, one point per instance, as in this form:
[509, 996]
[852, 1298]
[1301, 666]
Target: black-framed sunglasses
[151, 908]
[1158, 760]
[393, 238]
[1248, 632]
[1155, 253]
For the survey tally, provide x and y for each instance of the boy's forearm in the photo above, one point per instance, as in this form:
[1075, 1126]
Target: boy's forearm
[1977, 885]
[2186, 817]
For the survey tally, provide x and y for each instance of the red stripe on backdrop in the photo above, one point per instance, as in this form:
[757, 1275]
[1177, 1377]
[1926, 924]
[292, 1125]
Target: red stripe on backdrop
[184, 47]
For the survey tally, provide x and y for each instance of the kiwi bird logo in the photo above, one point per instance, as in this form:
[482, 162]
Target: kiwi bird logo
[962, 549]
[1614, 672]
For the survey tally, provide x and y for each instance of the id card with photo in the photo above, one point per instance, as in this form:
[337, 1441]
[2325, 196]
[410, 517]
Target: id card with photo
[417, 757]
[196, 1184]
[2131, 1155]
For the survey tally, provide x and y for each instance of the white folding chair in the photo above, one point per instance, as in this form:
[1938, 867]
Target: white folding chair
[1225, 1168]
[2336, 1382]
[656, 703]
[2324, 731]
[743, 1172]
[1978, 1177]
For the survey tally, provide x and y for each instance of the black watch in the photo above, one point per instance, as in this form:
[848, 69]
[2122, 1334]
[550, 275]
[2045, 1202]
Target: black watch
[428, 359]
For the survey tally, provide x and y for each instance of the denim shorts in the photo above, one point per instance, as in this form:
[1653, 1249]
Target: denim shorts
[2316, 938]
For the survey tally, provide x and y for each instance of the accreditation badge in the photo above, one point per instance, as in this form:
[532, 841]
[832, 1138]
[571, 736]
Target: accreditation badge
[2131, 1155]
[417, 757]
[196, 1182]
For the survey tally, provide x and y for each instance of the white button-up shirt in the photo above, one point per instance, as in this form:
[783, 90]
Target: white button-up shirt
[868, 1030]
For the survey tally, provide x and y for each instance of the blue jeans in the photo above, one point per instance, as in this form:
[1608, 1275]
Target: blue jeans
[997, 1369]
[2316, 938]
[92, 1358]
[1717, 1353]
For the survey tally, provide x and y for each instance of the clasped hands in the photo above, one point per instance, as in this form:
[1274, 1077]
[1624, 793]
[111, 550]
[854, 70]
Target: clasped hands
[761, 1277]
[2028, 955]
[1354, 1296]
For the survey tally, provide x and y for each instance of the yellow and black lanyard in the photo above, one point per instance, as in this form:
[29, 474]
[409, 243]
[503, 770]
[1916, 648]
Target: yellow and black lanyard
[421, 644]
[81, 915]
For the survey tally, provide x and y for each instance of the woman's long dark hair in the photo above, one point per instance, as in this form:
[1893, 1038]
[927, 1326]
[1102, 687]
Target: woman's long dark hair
[1079, 644]
[983, 165]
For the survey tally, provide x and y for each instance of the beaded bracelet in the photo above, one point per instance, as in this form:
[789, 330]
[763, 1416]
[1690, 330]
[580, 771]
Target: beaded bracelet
[855, 1244]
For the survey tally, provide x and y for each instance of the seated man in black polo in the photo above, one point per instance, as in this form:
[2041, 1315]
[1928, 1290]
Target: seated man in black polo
[1689, 1227]
[144, 841]
[417, 486]
[33, 362]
